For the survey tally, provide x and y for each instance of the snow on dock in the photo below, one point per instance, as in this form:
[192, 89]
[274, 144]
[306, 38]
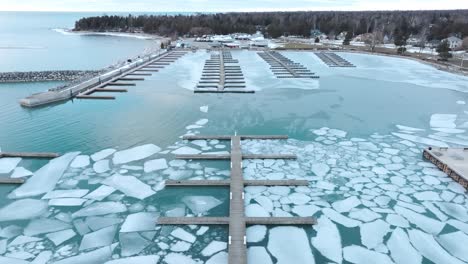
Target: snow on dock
[452, 161]
[333, 59]
[283, 67]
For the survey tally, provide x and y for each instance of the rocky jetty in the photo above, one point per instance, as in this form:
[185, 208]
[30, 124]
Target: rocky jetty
[42, 76]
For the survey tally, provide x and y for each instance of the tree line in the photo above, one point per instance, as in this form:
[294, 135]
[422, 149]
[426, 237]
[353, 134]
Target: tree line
[430, 25]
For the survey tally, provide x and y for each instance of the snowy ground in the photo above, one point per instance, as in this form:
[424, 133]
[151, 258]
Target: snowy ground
[374, 198]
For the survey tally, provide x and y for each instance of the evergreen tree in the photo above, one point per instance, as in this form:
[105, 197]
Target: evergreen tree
[348, 37]
[317, 40]
[444, 50]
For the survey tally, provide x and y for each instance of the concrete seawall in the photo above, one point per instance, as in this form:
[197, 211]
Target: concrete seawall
[44, 76]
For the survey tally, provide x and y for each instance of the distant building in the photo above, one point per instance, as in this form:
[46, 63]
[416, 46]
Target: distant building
[342, 35]
[454, 42]
[364, 37]
[315, 33]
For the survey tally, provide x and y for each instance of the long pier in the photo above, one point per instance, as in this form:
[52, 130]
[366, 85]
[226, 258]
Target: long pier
[236, 220]
[283, 67]
[222, 74]
[452, 161]
[333, 59]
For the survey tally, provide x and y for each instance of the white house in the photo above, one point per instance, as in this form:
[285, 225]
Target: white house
[454, 42]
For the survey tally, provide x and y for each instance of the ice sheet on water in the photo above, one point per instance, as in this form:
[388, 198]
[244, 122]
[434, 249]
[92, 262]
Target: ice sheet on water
[407, 128]
[290, 245]
[443, 120]
[181, 246]
[44, 179]
[7, 260]
[100, 193]
[42, 258]
[101, 166]
[143, 221]
[320, 169]
[455, 210]
[429, 248]
[421, 221]
[178, 258]
[258, 255]
[21, 240]
[397, 220]
[80, 161]
[427, 196]
[220, 258]
[61, 236]
[255, 210]
[305, 210]
[132, 243]
[186, 151]
[340, 219]
[372, 234]
[346, 205]
[360, 255]
[325, 185]
[67, 202]
[183, 235]
[299, 198]
[200, 204]
[265, 202]
[423, 140]
[155, 165]
[23, 209]
[101, 208]
[76, 193]
[130, 186]
[98, 222]
[455, 243]
[8, 164]
[97, 256]
[44, 225]
[20, 172]
[256, 233]
[204, 109]
[202, 122]
[136, 153]
[100, 238]
[102, 154]
[364, 215]
[328, 240]
[150, 259]
[213, 247]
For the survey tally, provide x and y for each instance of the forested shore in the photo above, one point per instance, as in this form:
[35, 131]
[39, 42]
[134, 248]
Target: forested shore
[432, 25]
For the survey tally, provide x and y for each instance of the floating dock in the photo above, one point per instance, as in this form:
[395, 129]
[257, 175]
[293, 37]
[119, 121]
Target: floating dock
[333, 59]
[452, 161]
[222, 74]
[283, 67]
[237, 221]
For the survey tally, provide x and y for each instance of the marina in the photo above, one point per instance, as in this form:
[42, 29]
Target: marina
[283, 67]
[333, 60]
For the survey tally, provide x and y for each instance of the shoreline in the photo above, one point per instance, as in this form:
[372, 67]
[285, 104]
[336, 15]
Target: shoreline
[142, 36]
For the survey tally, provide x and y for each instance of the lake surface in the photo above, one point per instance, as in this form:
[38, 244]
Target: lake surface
[358, 133]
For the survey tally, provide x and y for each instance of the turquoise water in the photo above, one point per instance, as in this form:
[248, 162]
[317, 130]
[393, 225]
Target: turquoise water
[368, 158]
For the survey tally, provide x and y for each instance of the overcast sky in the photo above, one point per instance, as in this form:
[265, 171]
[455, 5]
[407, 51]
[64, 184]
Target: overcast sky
[226, 5]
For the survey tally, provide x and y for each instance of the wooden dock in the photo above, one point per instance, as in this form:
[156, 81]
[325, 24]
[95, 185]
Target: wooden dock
[11, 180]
[222, 74]
[452, 161]
[236, 220]
[283, 67]
[129, 77]
[333, 60]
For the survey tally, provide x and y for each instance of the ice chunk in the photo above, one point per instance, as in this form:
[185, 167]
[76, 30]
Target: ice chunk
[42, 258]
[155, 165]
[61, 236]
[177, 258]
[299, 198]
[213, 247]
[100, 238]
[407, 128]
[430, 249]
[455, 243]
[77, 193]
[325, 185]
[7, 260]
[255, 210]
[102, 154]
[204, 109]
[364, 215]
[100, 193]
[142, 221]
[202, 122]
[443, 120]
[150, 259]
[455, 210]
[397, 220]
[20, 172]
[97, 256]
[290, 245]
[21, 240]
[130, 186]
[80, 161]
[101, 208]
[328, 240]
[200, 204]
[186, 151]
[132, 243]
[98, 222]
[8, 164]
[67, 202]
[339, 218]
[23, 209]
[346, 205]
[372, 234]
[427, 196]
[136, 153]
[360, 255]
[265, 202]
[425, 223]
[320, 169]
[181, 246]
[460, 225]
[337, 133]
[183, 235]
[44, 225]
[220, 258]
[258, 255]
[305, 210]
[256, 233]
[202, 230]
[45, 178]
[101, 166]
[423, 140]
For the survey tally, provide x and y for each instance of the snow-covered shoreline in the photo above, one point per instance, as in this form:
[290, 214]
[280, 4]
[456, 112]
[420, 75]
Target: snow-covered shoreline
[143, 36]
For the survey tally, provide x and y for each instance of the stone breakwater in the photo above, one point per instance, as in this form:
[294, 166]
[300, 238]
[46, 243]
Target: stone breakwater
[42, 76]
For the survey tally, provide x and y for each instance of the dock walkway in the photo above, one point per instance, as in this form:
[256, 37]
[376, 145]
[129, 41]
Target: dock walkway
[333, 59]
[236, 220]
[24, 155]
[283, 67]
[452, 161]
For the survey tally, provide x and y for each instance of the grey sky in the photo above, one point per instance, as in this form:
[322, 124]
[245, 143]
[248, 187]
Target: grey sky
[225, 5]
